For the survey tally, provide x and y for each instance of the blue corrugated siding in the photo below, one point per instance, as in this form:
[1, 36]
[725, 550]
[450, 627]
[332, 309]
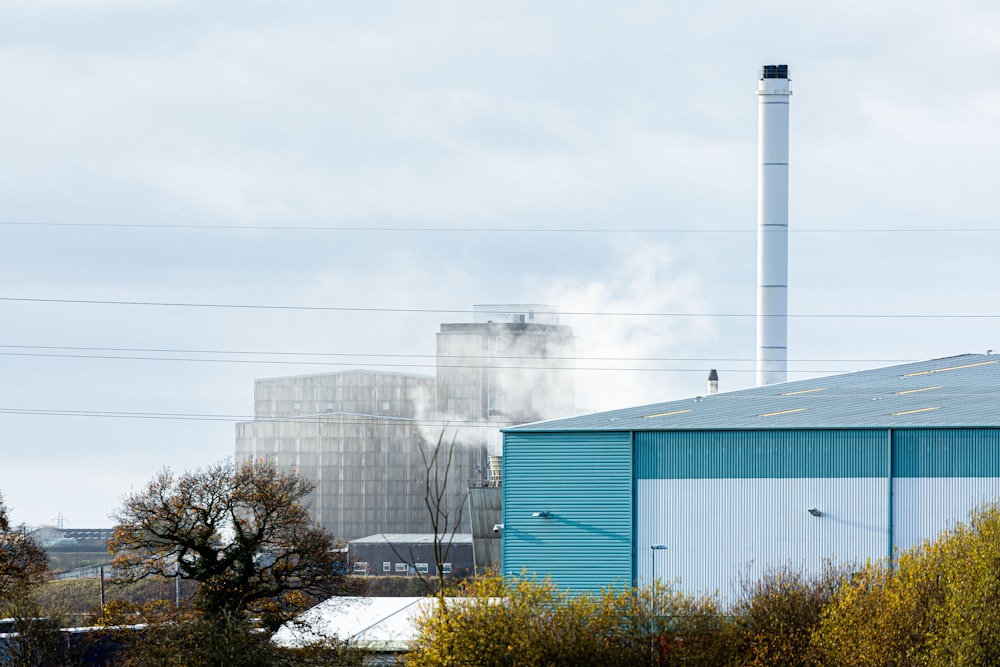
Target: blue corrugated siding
[971, 452]
[779, 454]
[584, 480]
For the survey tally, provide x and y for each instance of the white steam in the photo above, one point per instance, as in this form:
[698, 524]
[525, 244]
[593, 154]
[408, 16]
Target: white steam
[646, 281]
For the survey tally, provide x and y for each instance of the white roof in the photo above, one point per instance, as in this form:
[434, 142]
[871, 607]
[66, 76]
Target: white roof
[376, 624]
[383, 624]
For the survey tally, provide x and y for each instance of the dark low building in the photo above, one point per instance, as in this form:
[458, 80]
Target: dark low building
[404, 554]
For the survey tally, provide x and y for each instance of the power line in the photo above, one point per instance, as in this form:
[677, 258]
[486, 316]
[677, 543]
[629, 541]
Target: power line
[499, 365]
[368, 355]
[500, 230]
[330, 418]
[355, 309]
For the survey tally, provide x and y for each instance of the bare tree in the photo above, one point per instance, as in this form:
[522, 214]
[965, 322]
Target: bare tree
[241, 531]
[445, 520]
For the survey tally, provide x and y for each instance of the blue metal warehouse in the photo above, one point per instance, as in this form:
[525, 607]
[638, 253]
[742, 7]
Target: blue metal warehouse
[848, 467]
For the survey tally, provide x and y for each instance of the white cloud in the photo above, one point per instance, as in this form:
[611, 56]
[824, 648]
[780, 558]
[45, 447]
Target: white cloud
[526, 115]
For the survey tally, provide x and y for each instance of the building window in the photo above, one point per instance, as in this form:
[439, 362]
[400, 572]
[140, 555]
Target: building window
[386, 566]
[361, 567]
[445, 568]
[422, 568]
[401, 567]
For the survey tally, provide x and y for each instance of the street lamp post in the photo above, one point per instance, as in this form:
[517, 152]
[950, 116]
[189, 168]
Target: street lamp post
[655, 548]
[656, 602]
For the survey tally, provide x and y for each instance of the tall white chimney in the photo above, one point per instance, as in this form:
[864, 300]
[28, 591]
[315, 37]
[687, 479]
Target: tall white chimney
[773, 93]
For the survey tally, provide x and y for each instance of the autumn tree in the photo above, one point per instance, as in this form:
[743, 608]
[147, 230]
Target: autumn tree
[35, 637]
[23, 564]
[240, 530]
[935, 605]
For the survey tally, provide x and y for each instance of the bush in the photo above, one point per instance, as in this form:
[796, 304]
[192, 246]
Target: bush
[528, 622]
[881, 619]
[936, 604]
[965, 628]
[776, 614]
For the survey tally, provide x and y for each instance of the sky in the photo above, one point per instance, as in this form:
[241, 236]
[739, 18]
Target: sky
[197, 194]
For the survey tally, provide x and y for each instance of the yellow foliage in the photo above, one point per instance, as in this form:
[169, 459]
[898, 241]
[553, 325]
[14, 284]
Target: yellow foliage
[529, 622]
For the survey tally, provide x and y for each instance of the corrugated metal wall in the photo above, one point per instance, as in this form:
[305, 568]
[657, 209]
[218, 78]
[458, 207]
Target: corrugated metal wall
[939, 475]
[716, 530]
[761, 454]
[946, 452]
[584, 480]
[485, 512]
[734, 503]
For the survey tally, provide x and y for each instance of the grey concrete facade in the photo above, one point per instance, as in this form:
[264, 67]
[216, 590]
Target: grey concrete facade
[368, 471]
[357, 392]
[515, 372]
[364, 437]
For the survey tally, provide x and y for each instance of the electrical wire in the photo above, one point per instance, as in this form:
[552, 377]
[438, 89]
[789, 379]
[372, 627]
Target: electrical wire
[422, 356]
[354, 309]
[500, 230]
[329, 418]
[499, 365]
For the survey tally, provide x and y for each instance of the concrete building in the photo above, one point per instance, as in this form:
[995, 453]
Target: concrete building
[511, 364]
[362, 436]
[848, 467]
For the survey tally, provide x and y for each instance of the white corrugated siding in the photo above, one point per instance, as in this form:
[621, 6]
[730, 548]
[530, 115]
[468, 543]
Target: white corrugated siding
[925, 506]
[715, 529]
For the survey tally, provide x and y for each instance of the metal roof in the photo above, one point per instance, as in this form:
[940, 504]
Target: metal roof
[412, 538]
[960, 391]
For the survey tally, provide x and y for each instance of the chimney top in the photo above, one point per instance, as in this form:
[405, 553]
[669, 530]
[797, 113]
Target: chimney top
[713, 382]
[774, 72]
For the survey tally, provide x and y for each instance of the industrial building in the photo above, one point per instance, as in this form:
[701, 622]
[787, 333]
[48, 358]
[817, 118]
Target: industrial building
[410, 555]
[362, 436]
[511, 363]
[704, 490]
[368, 468]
